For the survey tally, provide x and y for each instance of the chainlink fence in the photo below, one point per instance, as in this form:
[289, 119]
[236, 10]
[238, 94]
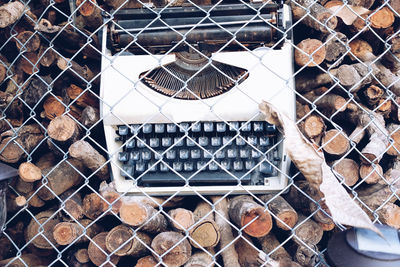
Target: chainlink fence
[56, 57]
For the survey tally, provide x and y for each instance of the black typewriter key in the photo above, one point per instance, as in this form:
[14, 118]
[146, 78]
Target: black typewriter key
[245, 127]
[221, 127]
[213, 166]
[166, 141]
[171, 128]
[234, 126]
[271, 129]
[196, 127]
[208, 127]
[135, 128]
[130, 143]
[140, 167]
[188, 166]
[127, 171]
[263, 141]
[203, 141]
[146, 155]
[195, 154]
[201, 165]
[171, 154]
[190, 142]
[226, 140]
[220, 154]
[231, 153]
[154, 142]
[184, 126]
[240, 141]
[252, 140]
[226, 164]
[238, 165]
[216, 141]
[178, 141]
[184, 154]
[147, 128]
[134, 155]
[265, 168]
[163, 167]
[244, 153]
[141, 143]
[258, 126]
[159, 128]
[123, 156]
[177, 166]
[123, 130]
[249, 164]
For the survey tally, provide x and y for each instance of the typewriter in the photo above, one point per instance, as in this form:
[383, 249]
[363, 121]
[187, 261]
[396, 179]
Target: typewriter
[180, 89]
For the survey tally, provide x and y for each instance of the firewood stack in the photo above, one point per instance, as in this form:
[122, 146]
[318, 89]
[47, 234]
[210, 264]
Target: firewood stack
[348, 105]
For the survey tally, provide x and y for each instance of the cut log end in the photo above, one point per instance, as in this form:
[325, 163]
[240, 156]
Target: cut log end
[82, 255]
[148, 261]
[335, 143]
[314, 126]
[382, 19]
[372, 175]
[62, 128]
[205, 234]
[348, 169]
[133, 213]
[310, 52]
[65, 233]
[258, 227]
[181, 219]
[29, 172]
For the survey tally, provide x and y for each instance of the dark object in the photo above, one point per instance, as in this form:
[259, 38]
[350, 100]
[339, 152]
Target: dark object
[250, 156]
[6, 172]
[344, 249]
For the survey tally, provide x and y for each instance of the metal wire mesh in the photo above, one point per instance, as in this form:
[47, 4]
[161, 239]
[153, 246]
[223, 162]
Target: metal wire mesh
[74, 43]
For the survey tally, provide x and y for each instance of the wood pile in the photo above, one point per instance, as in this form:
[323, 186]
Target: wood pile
[348, 85]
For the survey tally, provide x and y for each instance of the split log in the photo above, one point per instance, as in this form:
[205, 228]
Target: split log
[335, 143]
[29, 172]
[302, 110]
[148, 261]
[374, 125]
[46, 161]
[181, 220]
[27, 41]
[89, 117]
[47, 56]
[53, 107]
[348, 171]
[310, 53]
[78, 258]
[364, 3]
[34, 200]
[35, 89]
[44, 240]
[307, 81]
[307, 231]
[82, 98]
[286, 216]
[382, 18]
[23, 187]
[371, 174]
[200, 259]
[72, 204]
[142, 215]
[273, 248]
[327, 103]
[327, 226]
[94, 206]
[318, 17]
[24, 260]
[28, 137]
[251, 217]
[93, 160]
[178, 247]
[124, 241]
[29, 63]
[61, 178]
[228, 252]
[98, 252]
[63, 131]
[335, 46]
[390, 215]
[91, 13]
[359, 24]
[307, 257]
[205, 232]
[248, 254]
[10, 13]
[82, 74]
[394, 130]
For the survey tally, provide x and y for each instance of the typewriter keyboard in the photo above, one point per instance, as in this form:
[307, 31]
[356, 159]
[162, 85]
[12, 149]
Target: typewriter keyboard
[201, 153]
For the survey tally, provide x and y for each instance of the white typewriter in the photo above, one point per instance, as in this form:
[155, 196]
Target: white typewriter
[180, 89]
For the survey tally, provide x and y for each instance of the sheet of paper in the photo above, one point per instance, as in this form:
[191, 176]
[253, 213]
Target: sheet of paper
[370, 241]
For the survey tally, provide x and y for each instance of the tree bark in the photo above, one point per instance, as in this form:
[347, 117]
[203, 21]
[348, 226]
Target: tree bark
[200, 259]
[286, 215]
[270, 243]
[10, 13]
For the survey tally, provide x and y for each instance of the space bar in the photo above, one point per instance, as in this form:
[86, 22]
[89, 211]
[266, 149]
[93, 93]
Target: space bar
[214, 178]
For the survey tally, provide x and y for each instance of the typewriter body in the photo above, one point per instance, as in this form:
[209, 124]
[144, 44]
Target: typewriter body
[180, 89]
